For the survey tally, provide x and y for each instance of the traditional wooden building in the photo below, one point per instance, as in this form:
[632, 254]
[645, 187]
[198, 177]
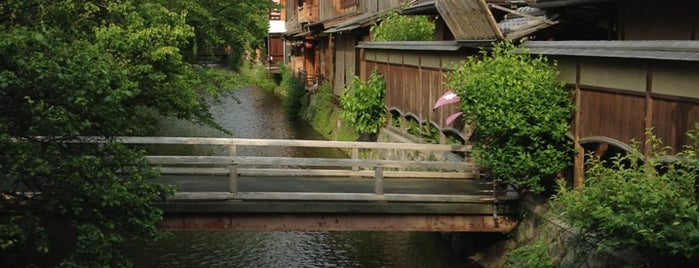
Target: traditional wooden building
[633, 65]
[321, 37]
[275, 42]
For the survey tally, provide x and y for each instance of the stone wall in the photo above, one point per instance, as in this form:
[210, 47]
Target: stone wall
[538, 225]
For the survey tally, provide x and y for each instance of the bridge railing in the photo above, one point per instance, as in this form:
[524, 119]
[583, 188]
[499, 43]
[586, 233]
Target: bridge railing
[235, 166]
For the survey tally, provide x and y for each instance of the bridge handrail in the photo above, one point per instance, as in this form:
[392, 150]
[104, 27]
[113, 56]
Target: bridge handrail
[310, 162]
[281, 142]
[235, 165]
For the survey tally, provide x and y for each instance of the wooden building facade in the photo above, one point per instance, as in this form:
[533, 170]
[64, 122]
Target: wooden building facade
[322, 35]
[634, 67]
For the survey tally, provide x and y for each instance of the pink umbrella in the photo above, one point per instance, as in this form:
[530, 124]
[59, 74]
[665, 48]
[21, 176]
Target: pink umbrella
[450, 120]
[447, 98]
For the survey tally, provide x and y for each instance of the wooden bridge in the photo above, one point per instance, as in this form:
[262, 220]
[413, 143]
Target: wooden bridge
[252, 192]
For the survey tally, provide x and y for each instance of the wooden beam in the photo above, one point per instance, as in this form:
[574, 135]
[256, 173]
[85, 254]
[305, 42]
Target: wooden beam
[337, 222]
[307, 196]
[308, 162]
[291, 172]
[284, 142]
[579, 161]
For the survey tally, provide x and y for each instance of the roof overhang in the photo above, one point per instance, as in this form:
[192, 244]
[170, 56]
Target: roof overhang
[421, 8]
[562, 3]
[354, 23]
[426, 45]
[653, 50]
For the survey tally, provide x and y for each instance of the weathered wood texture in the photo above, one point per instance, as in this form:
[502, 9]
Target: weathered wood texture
[345, 62]
[414, 82]
[616, 95]
[469, 19]
[235, 165]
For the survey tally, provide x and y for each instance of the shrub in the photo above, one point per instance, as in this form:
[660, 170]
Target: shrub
[294, 92]
[396, 27]
[535, 255]
[521, 113]
[651, 207]
[363, 104]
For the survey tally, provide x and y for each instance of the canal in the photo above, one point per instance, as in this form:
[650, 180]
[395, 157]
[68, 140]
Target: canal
[253, 113]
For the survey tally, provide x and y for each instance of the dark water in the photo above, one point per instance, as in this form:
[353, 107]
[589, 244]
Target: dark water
[260, 115]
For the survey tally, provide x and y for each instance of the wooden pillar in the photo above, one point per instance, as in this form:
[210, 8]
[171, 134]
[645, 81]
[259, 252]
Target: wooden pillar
[378, 180]
[232, 170]
[648, 118]
[579, 162]
[331, 50]
[355, 156]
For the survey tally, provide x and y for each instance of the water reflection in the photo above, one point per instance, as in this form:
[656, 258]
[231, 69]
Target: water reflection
[296, 249]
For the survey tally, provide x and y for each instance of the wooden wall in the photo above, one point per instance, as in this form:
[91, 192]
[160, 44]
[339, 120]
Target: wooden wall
[620, 98]
[345, 61]
[414, 81]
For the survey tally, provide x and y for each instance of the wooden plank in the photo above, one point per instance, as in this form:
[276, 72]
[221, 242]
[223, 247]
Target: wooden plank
[283, 142]
[303, 196]
[351, 173]
[194, 171]
[314, 172]
[342, 222]
[345, 162]
[189, 160]
[469, 20]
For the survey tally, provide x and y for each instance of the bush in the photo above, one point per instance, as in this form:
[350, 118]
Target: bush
[521, 113]
[294, 92]
[396, 27]
[531, 256]
[363, 104]
[651, 207]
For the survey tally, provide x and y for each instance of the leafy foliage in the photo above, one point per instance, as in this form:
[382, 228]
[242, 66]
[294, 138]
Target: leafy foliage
[363, 104]
[535, 255]
[294, 92]
[236, 26]
[73, 68]
[396, 27]
[649, 206]
[521, 114]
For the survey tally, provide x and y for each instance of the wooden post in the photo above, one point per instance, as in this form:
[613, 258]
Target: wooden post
[648, 120]
[378, 180]
[579, 162]
[233, 178]
[355, 156]
[233, 171]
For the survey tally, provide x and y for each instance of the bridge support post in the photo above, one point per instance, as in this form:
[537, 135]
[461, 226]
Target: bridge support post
[233, 178]
[233, 170]
[378, 180]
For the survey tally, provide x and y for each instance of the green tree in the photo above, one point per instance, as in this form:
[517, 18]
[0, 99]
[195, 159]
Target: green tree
[396, 27]
[650, 206]
[363, 104]
[71, 68]
[239, 26]
[521, 113]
